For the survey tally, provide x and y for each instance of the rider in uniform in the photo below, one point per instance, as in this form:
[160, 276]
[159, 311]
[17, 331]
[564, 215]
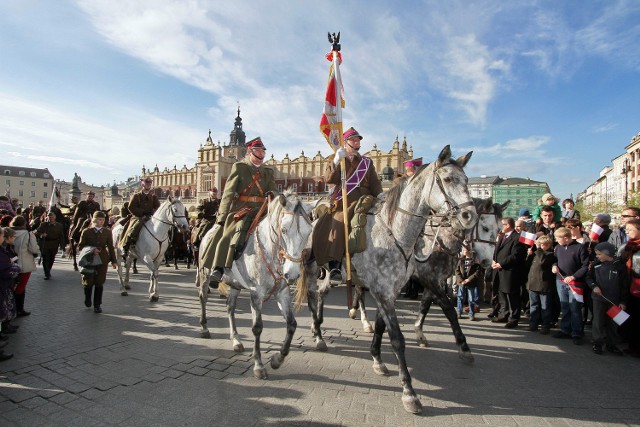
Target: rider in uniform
[83, 211]
[244, 193]
[142, 206]
[328, 241]
[207, 211]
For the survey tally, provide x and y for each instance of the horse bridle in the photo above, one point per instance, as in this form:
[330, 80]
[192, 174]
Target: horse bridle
[279, 252]
[453, 209]
[173, 222]
[475, 231]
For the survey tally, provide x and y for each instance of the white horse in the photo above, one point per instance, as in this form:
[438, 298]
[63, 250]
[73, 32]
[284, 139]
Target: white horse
[152, 243]
[270, 263]
[388, 262]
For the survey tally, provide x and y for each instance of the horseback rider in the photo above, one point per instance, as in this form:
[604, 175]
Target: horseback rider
[82, 215]
[207, 211]
[245, 191]
[328, 241]
[142, 206]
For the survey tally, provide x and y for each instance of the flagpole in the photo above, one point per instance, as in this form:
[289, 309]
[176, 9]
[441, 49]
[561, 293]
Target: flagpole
[335, 49]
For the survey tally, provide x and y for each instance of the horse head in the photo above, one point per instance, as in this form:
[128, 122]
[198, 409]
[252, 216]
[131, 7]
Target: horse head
[176, 213]
[447, 193]
[290, 223]
[483, 235]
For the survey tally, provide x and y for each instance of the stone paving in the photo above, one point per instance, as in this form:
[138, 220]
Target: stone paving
[144, 364]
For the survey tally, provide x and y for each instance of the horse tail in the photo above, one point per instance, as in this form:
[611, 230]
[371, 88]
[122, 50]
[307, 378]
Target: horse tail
[300, 293]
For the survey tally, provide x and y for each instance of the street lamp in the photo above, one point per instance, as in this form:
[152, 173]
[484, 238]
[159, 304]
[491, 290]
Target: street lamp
[625, 171]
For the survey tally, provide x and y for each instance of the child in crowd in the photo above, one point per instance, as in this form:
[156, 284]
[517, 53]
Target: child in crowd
[468, 277]
[541, 285]
[608, 281]
[548, 200]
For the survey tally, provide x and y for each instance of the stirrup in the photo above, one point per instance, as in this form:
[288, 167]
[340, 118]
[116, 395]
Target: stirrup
[335, 277]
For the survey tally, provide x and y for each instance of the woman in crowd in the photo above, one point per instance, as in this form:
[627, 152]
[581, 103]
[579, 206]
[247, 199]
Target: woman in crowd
[9, 271]
[630, 255]
[26, 247]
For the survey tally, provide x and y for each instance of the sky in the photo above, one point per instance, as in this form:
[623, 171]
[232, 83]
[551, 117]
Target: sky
[545, 90]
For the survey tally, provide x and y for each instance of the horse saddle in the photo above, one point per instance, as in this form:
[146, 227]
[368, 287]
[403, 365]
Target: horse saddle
[358, 236]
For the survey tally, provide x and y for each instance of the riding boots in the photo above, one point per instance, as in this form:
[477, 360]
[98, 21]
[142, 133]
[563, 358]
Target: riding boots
[97, 299]
[217, 274]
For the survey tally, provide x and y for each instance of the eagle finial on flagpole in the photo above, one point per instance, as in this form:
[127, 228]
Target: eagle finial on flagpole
[335, 41]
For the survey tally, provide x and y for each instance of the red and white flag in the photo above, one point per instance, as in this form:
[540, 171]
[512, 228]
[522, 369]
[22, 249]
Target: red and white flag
[331, 121]
[595, 232]
[527, 238]
[617, 314]
[577, 291]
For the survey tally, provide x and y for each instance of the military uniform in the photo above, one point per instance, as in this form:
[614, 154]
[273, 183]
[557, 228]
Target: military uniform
[242, 190]
[102, 240]
[142, 207]
[52, 234]
[207, 215]
[328, 241]
[83, 211]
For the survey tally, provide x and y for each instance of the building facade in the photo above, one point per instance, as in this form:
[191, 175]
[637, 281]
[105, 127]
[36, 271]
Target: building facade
[482, 186]
[302, 174]
[28, 185]
[522, 192]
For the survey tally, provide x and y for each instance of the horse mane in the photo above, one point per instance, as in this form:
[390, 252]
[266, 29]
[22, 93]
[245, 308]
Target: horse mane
[394, 193]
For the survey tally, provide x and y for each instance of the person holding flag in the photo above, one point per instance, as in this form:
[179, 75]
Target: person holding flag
[630, 255]
[328, 241]
[608, 281]
[355, 173]
[541, 284]
[572, 263]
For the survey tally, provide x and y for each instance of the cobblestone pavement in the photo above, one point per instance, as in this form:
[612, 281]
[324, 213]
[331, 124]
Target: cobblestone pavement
[143, 363]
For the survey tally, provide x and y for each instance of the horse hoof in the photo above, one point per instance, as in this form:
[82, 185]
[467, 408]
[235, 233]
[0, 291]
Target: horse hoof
[260, 373]
[412, 404]
[380, 369]
[124, 293]
[135, 271]
[352, 313]
[466, 356]
[238, 348]
[176, 267]
[75, 267]
[321, 346]
[422, 342]
[154, 299]
[367, 328]
[205, 334]
[276, 360]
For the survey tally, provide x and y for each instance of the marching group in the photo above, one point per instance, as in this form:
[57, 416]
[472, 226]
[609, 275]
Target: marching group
[548, 268]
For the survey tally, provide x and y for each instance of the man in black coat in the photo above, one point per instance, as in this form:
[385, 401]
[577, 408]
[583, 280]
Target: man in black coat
[509, 267]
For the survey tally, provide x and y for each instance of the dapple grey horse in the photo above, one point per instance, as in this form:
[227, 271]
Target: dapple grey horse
[151, 245]
[387, 263]
[271, 261]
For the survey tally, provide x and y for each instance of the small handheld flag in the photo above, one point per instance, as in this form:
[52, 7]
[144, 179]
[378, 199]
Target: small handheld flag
[617, 314]
[527, 238]
[577, 291]
[595, 232]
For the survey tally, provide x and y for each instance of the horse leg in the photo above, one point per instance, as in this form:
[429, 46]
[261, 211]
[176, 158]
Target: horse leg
[127, 271]
[259, 370]
[425, 305]
[135, 266]
[464, 352]
[231, 314]
[123, 291]
[154, 295]
[378, 365]
[284, 303]
[315, 302]
[75, 258]
[203, 296]
[359, 298]
[388, 314]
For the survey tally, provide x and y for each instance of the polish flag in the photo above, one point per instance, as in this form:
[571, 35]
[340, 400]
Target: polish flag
[596, 231]
[617, 314]
[577, 291]
[527, 238]
[331, 120]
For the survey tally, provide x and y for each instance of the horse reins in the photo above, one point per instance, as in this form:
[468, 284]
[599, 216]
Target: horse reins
[160, 242]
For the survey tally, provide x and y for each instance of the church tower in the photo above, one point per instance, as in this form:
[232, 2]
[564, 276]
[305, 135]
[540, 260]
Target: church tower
[237, 140]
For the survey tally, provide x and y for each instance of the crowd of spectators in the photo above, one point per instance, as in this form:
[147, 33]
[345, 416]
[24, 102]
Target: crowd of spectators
[567, 278]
